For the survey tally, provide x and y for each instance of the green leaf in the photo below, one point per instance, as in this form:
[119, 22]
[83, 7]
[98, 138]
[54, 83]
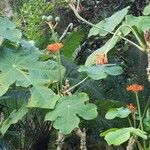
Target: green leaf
[109, 23]
[98, 72]
[42, 97]
[139, 24]
[144, 23]
[131, 20]
[65, 115]
[71, 43]
[146, 10]
[25, 69]
[107, 46]
[107, 131]
[119, 136]
[1, 40]
[146, 120]
[8, 31]
[117, 112]
[13, 118]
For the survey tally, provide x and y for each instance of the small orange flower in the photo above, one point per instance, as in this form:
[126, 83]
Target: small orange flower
[132, 107]
[101, 59]
[135, 88]
[54, 47]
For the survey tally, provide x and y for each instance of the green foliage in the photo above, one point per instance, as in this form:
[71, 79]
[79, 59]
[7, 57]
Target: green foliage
[137, 25]
[24, 68]
[42, 75]
[8, 31]
[107, 46]
[147, 121]
[13, 118]
[65, 115]
[71, 43]
[119, 136]
[117, 112]
[146, 10]
[109, 24]
[29, 19]
[98, 72]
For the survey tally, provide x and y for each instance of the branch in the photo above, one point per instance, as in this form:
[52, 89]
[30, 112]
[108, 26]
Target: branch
[82, 136]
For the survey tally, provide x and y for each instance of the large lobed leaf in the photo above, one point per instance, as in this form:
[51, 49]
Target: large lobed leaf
[98, 72]
[69, 109]
[119, 136]
[109, 24]
[8, 31]
[24, 68]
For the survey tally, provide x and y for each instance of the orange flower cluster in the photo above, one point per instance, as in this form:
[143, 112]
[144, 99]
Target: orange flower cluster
[132, 107]
[101, 59]
[135, 88]
[54, 47]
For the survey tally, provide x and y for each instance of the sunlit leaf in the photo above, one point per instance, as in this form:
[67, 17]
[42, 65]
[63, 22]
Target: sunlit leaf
[146, 10]
[98, 72]
[13, 118]
[25, 69]
[109, 23]
[69, 109]
[117, 112]
[8, 31]
[119, 136]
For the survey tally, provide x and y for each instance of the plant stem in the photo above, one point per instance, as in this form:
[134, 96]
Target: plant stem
[66, 31]
[59, 68]
[134, 119]
[76, 85]
[130, 122]
[82, 136]
[57, 86]
[59, 141]
[146, 107]
[93, 25]
[139, 110]
[131, 143]
[139, 145]
[140, 116]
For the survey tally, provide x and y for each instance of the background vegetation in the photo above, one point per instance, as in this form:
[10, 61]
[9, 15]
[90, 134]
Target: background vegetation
[106, 93]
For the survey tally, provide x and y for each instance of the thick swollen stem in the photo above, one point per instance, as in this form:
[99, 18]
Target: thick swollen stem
[82, 136]
[131, 143]
[148, 68]
[59, 141]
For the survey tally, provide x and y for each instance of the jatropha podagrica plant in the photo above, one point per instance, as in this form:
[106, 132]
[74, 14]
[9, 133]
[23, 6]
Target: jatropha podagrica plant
[139, 27]
[41, 73]
[24, 66]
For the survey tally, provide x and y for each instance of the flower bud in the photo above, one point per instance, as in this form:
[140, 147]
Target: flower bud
[49, 18]
[57, 19]
[44, 17]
